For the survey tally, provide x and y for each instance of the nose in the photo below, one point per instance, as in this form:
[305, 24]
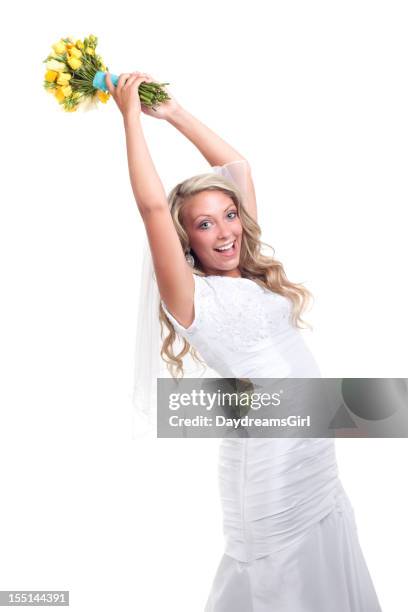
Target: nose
[224, 231]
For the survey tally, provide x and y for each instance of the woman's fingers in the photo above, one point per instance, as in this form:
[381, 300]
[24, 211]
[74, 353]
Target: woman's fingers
[126, 79]
[146, 77]
[123, 93]
[122, 80]
[134, 80]
[135, 75]
[130, 80]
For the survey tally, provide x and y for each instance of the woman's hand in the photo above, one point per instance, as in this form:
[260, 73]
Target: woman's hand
[126, 92]
[164, 110]
[126, 96]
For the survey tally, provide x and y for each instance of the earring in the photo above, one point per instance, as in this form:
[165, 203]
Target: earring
[190, 258]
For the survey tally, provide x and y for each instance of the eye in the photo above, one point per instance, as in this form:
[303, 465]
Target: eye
[204, 226]
[203, 223]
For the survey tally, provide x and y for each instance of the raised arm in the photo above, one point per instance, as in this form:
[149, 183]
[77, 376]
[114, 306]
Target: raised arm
[215, 150]
[175, 279]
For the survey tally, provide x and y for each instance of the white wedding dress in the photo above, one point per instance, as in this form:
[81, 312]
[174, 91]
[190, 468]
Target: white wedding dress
[291, 538]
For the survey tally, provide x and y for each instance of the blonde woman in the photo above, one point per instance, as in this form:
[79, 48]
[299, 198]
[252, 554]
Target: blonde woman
[291, 538]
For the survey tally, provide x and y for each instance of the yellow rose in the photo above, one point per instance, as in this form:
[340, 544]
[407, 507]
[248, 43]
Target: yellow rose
[59, 94]
[55, 65]
[63, 78]
[51, 75]
[79, 44]
[75, 63]
[90, 51]
[71, 109]
[67, 90]
[74, 52]
[59, 47]
[103, 95]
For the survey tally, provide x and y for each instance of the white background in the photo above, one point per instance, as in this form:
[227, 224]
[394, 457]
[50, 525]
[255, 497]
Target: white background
[314, 94]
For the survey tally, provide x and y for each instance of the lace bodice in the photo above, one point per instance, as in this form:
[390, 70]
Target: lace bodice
[244, 330]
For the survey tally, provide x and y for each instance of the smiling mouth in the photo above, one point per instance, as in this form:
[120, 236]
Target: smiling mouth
[227, 248]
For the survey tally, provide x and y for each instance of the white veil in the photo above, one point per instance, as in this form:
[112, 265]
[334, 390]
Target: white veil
[149, 365]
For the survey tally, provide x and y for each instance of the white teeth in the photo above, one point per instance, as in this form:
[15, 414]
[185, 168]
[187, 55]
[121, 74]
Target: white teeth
[226, 247]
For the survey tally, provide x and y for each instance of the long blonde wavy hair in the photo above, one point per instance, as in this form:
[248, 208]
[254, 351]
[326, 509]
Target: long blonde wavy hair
[255, 265]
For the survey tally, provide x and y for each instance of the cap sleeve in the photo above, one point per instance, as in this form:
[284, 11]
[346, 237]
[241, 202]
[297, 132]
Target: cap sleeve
[237, 172]
[200, 289]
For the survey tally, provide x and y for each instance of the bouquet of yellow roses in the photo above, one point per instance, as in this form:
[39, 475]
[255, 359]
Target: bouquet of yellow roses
[75, 75]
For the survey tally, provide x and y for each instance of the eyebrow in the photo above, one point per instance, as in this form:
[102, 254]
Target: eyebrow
[208, 215]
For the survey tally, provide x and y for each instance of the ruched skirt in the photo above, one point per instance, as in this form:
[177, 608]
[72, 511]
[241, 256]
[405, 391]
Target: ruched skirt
[291, 541]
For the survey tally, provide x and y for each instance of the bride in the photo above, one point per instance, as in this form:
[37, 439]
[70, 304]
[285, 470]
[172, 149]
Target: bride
[291, 538]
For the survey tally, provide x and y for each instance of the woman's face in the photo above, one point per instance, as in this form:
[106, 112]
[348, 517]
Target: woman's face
[211, 221]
